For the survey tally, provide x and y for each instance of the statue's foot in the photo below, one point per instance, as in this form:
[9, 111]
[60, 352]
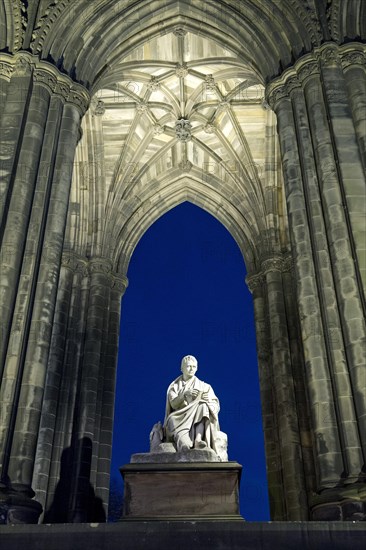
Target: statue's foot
[199, 444]
[185, 448]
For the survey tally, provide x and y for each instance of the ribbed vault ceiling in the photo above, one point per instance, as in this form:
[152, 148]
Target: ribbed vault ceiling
[180, 118]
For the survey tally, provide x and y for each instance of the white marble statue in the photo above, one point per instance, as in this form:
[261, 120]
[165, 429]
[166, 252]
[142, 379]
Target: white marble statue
[191, 418]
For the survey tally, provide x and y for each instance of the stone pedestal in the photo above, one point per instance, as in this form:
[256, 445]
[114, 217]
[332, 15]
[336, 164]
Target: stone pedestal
[17, 508]
[181, 491]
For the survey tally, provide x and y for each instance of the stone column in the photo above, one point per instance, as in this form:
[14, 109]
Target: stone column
[61, 386]
[280, 375]
[284, 393]
[72, 467]
[37, 185]
[354, 71]
[324, 185]
[93, 417]
[257, 286]
[109, 375]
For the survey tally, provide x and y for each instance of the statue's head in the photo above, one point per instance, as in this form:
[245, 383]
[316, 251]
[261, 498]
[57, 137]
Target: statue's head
[188, 366]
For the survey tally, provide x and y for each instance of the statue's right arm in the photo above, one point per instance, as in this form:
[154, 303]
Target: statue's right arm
[176, 399]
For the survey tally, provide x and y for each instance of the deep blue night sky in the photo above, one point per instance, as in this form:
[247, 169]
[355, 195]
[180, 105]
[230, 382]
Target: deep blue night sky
[187, 295]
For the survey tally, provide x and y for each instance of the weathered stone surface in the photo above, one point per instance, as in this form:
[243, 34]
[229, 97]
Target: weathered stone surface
[59, 332]
[196, 490]
[197, 535]
[193, 455]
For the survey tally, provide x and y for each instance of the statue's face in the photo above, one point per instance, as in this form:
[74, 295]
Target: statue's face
[189, 369]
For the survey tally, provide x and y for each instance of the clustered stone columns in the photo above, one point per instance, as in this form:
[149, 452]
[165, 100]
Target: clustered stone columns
[290, 468]
[39, 129]
[322, 137]
[72, 466]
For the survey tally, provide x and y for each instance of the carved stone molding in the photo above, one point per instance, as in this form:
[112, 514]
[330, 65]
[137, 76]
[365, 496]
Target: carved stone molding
[179, 31]
[209, 128]
[99, 108]
[309, 16]
[273, 264]
[182, 70]
[288, 264]
[142, 107]
[119, 283]
[20, 23]
[275, 95]
[185, 165]
[22, 65]
[46, 78]
[183, 129]
[309, 69]
[353, 58]
[292, 84]
[255, 281]
[224, 105]
[75, 263]
[100, 265]
[158, 129]
[329, 55]
[153, 85]
[283, 263]
[47, 17]
[332, 13]
[6, 69]
[45, 74]
[210, 82]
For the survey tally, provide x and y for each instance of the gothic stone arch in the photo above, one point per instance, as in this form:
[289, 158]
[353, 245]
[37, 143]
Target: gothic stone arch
[112, 113]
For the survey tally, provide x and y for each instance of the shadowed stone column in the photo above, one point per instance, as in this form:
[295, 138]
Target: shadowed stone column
[72, 471]
[354, 70]
[109, 374]
[95, 417]
[33, 227]
[280, 373]
[325, 189]
[284, 394]
[257, 286]
[61, 386]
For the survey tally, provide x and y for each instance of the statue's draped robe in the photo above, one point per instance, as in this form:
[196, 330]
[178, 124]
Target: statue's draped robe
[181, 421]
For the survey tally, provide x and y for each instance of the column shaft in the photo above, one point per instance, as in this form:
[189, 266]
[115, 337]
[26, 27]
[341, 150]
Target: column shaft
[355, 79]
[69, 395]
[340, 285]
[18, 203]
[109, 389]
[270, 428]
[329, 457]
[284, 393]
[51, 407]
[311, 127]
[349, 167]
[300, 393]
[35, 365]
[14, 113]
[84, 433]
[18, 323]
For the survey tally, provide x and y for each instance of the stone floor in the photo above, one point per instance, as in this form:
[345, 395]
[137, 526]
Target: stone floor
[130, 535]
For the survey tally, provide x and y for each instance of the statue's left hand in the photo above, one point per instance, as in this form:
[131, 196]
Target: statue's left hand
[204, 396]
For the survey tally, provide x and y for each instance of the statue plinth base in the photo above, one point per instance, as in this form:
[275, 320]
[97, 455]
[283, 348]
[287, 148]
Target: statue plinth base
[18, 507]
[181, 491]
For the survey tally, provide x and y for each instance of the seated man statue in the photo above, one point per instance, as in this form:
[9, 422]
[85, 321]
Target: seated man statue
[191, 419]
